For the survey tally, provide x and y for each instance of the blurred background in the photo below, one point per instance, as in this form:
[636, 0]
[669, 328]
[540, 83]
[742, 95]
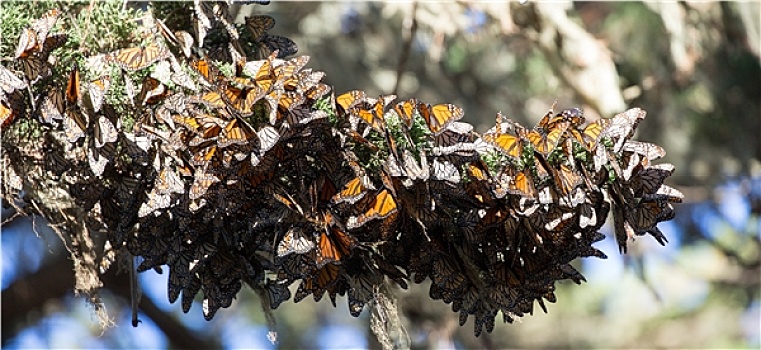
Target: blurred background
[693, 66]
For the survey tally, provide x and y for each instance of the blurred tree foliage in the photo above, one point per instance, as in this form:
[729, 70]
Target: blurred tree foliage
[693, 66]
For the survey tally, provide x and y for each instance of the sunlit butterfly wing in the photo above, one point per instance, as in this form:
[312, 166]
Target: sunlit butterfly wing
[27, 43]
[52, 107]
[97, 90]
[44, 24]
[294, 241]
[72, 88]
[201, 184]
[236, 132]
[545, 141]
[383, 205]
[406, 111]
[445, 171]
[349, 100]
[211, 99]
[268, 138]
[207, 70]
[74, 124]
[97, 161]
[9, 82]
[509, 145]
[334, 246]
[622, 126]
[438, 117]
[152, 91]
[648, 150]
[7, 114]
[353, 191]
[104, 132]
[137, 58]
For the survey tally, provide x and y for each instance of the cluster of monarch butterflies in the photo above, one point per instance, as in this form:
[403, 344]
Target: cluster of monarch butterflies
[243, 166]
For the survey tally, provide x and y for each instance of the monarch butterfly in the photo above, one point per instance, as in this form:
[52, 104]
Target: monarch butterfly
[242, 100]
[236, 132]
[294, 241]
[405, 110]
[224, 52]
[27, 42]
[317, 283]
[290, 100]
[672, 195]
[593, 133]
[53, 42]
[282, 46]
[74, 124]
[169, 182]
[372, 112]
[558, 219]
[98, 89]
[9, 82]
[650, 179]
[575, 116]
[34, 37]
[446, 276]
[259, 25]
[7, 114]
[334, 245]
[137, 58]
[383, 205]
[277, 293]
[290, 68]
[622, 127]
[152, 91]
[445, 171]
[203, 152]
[509, 145]
[44, 24]
[156, 201]
[546, 140]
[647, 213]
[207, 70]
[411, 167]
[317, 92]
[35, 67]
[648, 150]
[201, 184]
[350, 99]
[210, 99]
[72, 88]
[361, 291]
[96, 161]
[566, 180]
[268, 138]
[51, 108]
[456, 133]
[181, 38]
[204, 125]
[521, 184]
[440, 116]
[353, 191]
[104, 132]
[304, 81]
